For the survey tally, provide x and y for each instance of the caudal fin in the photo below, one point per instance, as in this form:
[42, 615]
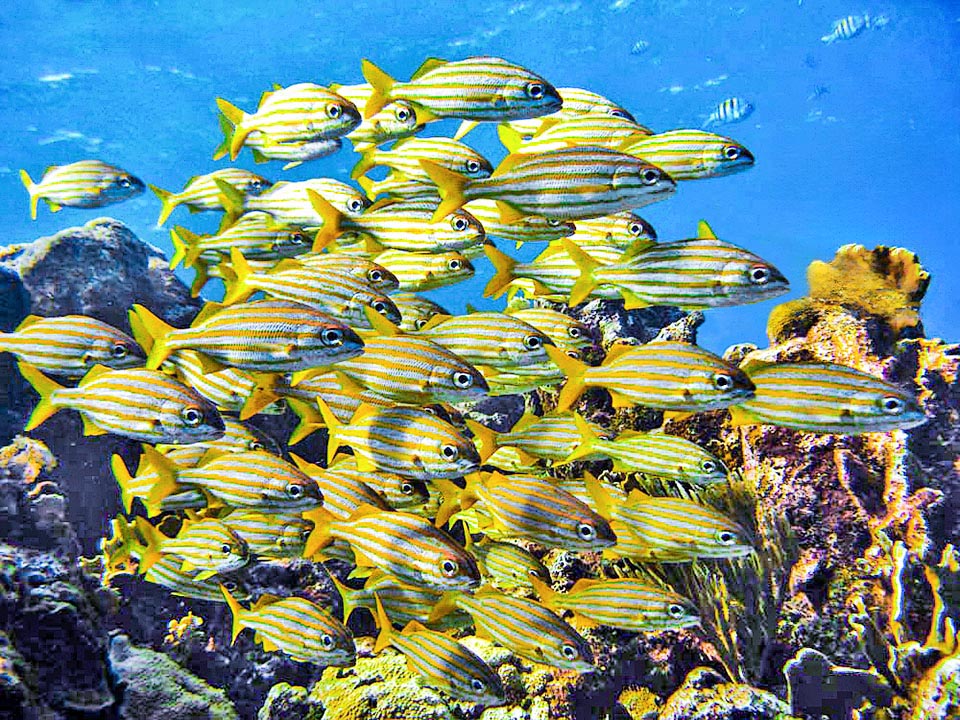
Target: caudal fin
[575, 372]
[381, 83]
[124, 480]
[240, 132]
[486, 438]
[168, 202]
[504, 266]
[31, 187]
[226, 127]
[46, 388]
[320, 536]
[385, 636]
[186, 246]
[364, 164]
[588, 441]
[236, 610]
[158, 331]
[450, 185]
[238, 283]
[546, 593]
[586, 283]
[331, 220]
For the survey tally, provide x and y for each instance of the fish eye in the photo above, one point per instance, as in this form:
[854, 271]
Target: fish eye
[570, 652]
[294, 491]
[459, 223]
[403, 114]
[635, 229]
[675, 611]
[449, 452]
[120, 351]
[473, 166]
[575, 354]
[731, 152]
[334, 111]
[760, 275]
[455, 265]
[406, 488]
[448, 568]
[255, 445]
[722, 382]
[554, 223]
[532, 342]
[708, 466]
[725, 537]
[535, 90]
[586, 531]
[254, 185]
[462, 380]
[332, 337]
[575, 332]
[418, 324]
[326, 641]
[296, 238]
[380, 306]
[225, 549]
[477, 685]
[230, 585]
[124, 181]
[354, 205]
[192, 416]
[892, 405]
[650, 176]
[375, 276]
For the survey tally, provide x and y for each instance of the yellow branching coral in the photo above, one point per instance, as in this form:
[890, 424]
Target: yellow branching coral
[179, 630]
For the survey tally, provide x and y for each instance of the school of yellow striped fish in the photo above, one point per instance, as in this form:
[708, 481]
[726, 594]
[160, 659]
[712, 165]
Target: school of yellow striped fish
[321, 317]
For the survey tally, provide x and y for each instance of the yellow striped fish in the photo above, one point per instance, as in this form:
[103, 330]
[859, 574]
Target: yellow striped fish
[289, 203]
[70, 345]
[667, 529]
[264, 149]
[139, 404]
[417, 272]
[376, 276]
[661, 375]
[396, 186]
[406, 441]
[403, 602]
[567, 184]
[597, 129]
[491, 339]
[166, 573]
[441, 661]
[477, 88]
[274, 535]
[399, 492]
[692, 154]
[416, 311]
[398, 224]
[525, 627]
[208, 545]
[526, 506]
[403, 545]
[565, 332]
[623, 603]
[508, 565]
[508, 459]
[340, 294]
[230, 389]
[524, 379]
[620, 230]
[694, 274]
[650, 453]
[405, 155]
[140, 484]
[256, 234]
[298, 628]
[203, 193]
[531, 228]
[825, 398]
[396, 120]
[263, 335]
[254, 479]
[83, 184]
[296, 113]
[343, 494]
[550, 437]
[576, 102]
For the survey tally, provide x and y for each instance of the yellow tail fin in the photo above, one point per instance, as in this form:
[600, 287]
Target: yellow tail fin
[451, 501]
[186, 245]
[546, 593]
[320, 536]
[445, 605]
[587, 444]
[236, 610]
[586, 283]
[333, 429]
[486, 437]
[364, 164]
[504, 265]
[385, 636]
[232, 200]
[124, 480]
[166, 482]
[238, 286]
[510, 138]
[240, 132]
[450, 185]
[575, 372]
[331, 220]
[349, 598]
[168, 202]
[31, 187]
[465, 127]
[158, 331]
[46, 388]
[154, 538]
[310, 420]
[226, 127]
[381, 83]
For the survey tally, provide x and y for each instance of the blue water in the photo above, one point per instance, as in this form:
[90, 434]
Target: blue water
[872, 161]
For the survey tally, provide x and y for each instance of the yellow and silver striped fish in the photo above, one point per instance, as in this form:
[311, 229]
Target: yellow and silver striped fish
[523, 379]
[416, 311]
[403, 602]
[507, 565]
[621, 230]
[140, 484]
[567, 333]
[207, 545]
[417, 272]
[256, 234]
[576, 102]
[263, 335]
[407, 441]
[476, 88]
[376, 276]
[825, 398]
[531, 228]
[230, 389]
[405, 156]
[661, 375]
[136, 403]
[203, 193]
[289, 203]
[567, 184]
[399, 492]
[692, 154]
[298, 113]
[694, 274]
[264, 148]
[523, 626]
[394, 121]
[82, 184]
[404, 545]
[296, 627]
[491, 339]
[551, 275]
[275, 535]
[69, 345]
[343, 494]
[623, 603]
[441, 661]
[550, 437]
[396, 186]
[597, 129]
[527, 506]
[166, 573]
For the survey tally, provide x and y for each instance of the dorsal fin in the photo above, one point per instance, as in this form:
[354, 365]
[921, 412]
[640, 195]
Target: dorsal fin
[705, 231]
[584, 584]
[28, 321]
[92, 374]
[381, 325]
[265, 600]
[508, 163]
[208, 310]
[618, 349]
[431, 63]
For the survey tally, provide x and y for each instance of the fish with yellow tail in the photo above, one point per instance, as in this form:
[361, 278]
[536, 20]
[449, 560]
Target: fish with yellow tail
[289, 203]
[376, 276]
[507, 565]
[566, 332]
[825, 398]
[403, 602]
[167, 573]
[651, 453]
[256, 234]
[416, 311]
[298, 628]
[417, 272]
[490, 339]
[523, 626]
[441, 661]
[298, 113]
[69, 345]
[553, 436]
[481, 88]
[667, 529]
[526, 506]
[259, 336]
[694, 274]
[576, 102]
[405, 156]
[528, 229]
[202, 192]
[139, 404]
[404, 545]
[394, 121]
[671, 376]
[596, 129]
[83, 184]
[566, 184]
[619, 230]
[264, 149]
[622, 603]
[407, 441]
[692, 154]
[399, 492]
[342, 494]
[208, 545]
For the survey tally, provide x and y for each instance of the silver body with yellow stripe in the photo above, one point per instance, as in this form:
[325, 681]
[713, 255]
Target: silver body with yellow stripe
[692, 154]
[82, 184]
[491, 339]
[289, 203]
[425, 271]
